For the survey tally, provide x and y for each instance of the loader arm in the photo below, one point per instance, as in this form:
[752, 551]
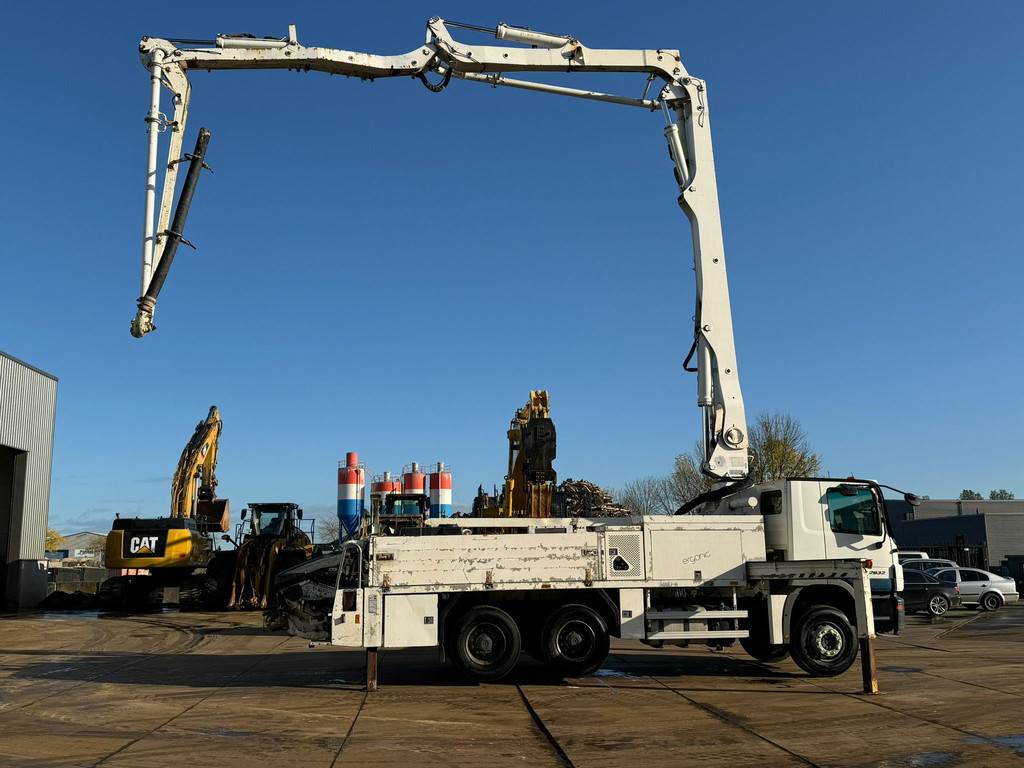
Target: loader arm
[681, 97]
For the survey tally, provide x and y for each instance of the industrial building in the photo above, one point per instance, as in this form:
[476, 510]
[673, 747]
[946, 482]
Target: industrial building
[28, 398]
[984, 533]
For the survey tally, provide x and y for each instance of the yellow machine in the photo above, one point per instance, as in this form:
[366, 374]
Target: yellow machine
[172, 548]
[269, 539]
[530, 482]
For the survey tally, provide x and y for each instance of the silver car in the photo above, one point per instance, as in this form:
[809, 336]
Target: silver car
[979, 588]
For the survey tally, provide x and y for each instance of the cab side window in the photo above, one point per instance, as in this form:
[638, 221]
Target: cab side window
[853, 510]
[771, 503]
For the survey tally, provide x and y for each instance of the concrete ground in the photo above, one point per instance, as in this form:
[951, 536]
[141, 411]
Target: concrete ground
[215, 690]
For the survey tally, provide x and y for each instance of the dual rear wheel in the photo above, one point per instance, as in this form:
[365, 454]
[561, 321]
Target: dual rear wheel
[573, 641]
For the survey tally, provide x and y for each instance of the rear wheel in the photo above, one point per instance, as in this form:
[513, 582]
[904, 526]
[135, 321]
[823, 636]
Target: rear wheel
[823, 642]
[574, 641]
[487, 642]
[991, 601]
[938, 604]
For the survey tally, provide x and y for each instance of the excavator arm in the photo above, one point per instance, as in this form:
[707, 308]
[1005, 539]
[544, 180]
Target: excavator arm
[681, 97]
[194, 485]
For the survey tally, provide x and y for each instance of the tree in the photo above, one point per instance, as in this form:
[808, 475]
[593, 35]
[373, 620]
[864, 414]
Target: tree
[645, 496]
[686, 481]
[1001, 495]
[328, 528]
[779, 448]
[968, 495]
[53, 540]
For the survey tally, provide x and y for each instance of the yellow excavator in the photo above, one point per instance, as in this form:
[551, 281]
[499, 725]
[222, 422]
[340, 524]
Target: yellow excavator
[173, 551]
[530, 482]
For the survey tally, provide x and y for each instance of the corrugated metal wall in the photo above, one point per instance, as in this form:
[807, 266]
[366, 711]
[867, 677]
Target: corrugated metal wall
[1005, 535]
[28, 400]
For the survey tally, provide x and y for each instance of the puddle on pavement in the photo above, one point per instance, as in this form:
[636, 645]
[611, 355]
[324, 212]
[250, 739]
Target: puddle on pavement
[609, 672]
[923, 760]
[73, 614]
[1014, 741]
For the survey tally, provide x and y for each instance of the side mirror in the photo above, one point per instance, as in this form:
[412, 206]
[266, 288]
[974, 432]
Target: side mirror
[243, 514]
[912, 499]
[299, 513]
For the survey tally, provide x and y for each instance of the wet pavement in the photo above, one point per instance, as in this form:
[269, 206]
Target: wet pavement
[177, 689]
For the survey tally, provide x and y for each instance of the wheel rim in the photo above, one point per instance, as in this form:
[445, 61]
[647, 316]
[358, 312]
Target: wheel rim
[991, 602]
[576, 640]
[486, 644]
[938, 605]
[827, 640]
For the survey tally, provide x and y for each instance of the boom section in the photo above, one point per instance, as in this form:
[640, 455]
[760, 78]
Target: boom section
[681, 97]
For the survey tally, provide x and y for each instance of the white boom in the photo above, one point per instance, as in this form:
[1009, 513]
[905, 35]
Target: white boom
[682, 98]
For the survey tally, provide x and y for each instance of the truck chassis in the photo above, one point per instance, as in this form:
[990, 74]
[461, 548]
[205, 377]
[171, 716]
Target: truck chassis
[483, 590]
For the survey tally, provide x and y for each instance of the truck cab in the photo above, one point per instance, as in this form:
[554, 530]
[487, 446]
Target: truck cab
[827, 518]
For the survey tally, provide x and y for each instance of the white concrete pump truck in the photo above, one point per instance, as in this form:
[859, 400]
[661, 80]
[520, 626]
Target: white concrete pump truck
[801, 566]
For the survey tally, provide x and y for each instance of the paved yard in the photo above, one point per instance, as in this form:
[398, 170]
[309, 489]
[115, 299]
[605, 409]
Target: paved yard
[215, 690]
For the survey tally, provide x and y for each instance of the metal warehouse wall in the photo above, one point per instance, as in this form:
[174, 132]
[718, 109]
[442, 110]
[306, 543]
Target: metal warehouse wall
[946, 507]
[1005, 535]
[28, 400]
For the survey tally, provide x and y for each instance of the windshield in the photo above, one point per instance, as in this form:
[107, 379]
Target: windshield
[854, 511]
[270, 523]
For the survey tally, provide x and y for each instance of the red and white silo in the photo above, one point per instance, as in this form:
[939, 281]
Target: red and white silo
[381, 486]
[440, 492]
[351, 485]
[413, 481]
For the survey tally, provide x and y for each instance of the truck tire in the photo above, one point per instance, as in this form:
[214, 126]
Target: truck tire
[574, 641]
[487, 642]
[823, 642]
[758, 648]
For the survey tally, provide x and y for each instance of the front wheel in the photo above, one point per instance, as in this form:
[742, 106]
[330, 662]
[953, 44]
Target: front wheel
[487, 642]
[823, 642]
[991, 602]
[938, 605]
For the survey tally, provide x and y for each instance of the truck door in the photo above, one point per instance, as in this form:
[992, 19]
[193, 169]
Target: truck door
[853, 521]
[347, 618]
[348, 615]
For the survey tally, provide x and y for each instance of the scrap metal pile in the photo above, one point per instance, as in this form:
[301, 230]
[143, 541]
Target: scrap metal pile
[581, 498]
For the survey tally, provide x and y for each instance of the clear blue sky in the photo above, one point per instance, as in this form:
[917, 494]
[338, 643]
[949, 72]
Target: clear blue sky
[388, 270]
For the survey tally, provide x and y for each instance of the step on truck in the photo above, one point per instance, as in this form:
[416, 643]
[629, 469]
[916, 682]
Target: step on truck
[801, 567]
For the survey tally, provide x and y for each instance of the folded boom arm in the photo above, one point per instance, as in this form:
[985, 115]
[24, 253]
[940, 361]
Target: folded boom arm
[681, 97]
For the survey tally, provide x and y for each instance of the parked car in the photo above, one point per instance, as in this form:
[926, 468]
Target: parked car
[905, 554]
[927, 564]
[924, 592]
[979, 588]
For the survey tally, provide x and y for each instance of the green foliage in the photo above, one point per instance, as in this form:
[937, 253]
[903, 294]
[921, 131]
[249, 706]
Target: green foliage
[53, 540]
[968, 495]
[1001, 495]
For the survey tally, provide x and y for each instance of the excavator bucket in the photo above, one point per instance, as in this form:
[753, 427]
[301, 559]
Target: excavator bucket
[214, 515]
